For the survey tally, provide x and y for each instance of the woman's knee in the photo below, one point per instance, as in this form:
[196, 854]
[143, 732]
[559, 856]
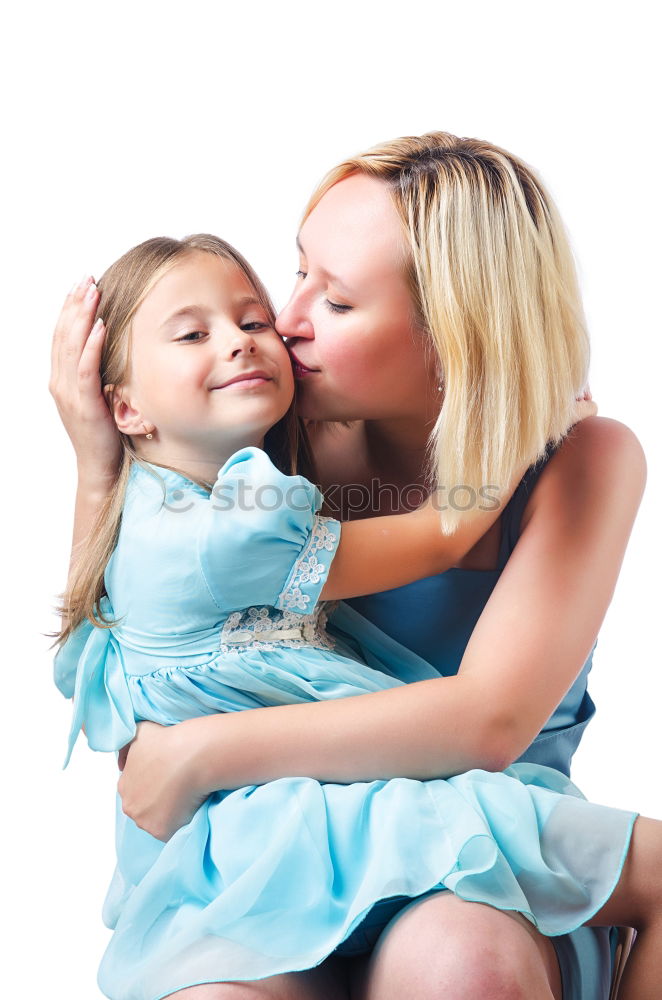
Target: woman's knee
[443, 947]
[636, 899]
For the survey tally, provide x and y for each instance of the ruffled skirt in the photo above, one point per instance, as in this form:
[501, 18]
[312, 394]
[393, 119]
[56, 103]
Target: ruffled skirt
[272, 878]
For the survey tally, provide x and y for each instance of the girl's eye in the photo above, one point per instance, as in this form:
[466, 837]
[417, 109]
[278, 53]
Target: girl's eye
[300, 274]
[255, 325]
[193, 333]
[336, 307]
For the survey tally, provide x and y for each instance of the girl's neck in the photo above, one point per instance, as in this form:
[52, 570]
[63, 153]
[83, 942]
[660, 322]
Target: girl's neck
[202, 466]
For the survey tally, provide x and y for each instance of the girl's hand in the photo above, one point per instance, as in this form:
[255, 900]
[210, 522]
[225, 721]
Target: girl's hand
[585, 407]
[158, 781]
[76, 387]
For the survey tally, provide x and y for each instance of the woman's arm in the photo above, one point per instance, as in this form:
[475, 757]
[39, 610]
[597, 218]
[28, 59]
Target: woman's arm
[556, 588]
[529, 645]
[76, 388]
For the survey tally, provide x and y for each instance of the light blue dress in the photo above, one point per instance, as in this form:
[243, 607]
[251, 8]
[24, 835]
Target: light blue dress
[218, 602]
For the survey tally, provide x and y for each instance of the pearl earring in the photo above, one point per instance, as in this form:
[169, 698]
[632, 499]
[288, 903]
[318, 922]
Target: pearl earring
[149, 436]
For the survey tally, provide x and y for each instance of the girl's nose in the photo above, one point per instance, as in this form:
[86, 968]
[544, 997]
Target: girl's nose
[249, 348]
[243, 342]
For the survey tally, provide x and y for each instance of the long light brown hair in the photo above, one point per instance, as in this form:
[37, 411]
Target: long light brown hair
[493, 284]
[122, 289]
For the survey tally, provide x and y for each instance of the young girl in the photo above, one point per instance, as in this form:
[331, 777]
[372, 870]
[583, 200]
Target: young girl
[209, 585]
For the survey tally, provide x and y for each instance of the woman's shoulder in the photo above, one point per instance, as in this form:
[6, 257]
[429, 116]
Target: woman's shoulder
[599, 457]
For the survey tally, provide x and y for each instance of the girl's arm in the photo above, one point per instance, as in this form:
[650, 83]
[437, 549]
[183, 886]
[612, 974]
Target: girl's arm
[381, 553]
[528, 647]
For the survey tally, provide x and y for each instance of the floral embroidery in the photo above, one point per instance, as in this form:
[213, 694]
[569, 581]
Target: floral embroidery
[308, 568]
[267, 628]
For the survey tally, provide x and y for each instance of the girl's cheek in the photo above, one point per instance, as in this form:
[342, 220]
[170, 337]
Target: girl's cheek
[282, 359]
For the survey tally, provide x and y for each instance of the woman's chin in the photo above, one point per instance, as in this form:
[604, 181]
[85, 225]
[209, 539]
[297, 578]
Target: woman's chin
[308, 407]
[313, 405]
[316, 412]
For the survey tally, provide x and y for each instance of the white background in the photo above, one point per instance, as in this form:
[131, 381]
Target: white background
[124, 121]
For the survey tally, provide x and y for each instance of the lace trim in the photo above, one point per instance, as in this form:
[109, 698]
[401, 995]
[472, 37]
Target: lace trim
[267, 628]
[308, 568]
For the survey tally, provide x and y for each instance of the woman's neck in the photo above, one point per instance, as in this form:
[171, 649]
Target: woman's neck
[396, 450]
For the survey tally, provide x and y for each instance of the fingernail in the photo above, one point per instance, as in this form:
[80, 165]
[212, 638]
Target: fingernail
[91, 293]
[97, 328]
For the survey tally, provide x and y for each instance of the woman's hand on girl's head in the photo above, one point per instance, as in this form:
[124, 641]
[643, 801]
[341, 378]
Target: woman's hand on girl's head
[158, 782]
[76, 387]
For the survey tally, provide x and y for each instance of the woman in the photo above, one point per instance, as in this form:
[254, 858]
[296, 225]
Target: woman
[434, 272]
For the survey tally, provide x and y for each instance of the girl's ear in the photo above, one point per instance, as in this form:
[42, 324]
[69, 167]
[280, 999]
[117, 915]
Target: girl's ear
[110, 397]
[128, 420]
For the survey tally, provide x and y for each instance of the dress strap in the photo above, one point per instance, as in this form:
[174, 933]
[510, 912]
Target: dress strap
[512, 516]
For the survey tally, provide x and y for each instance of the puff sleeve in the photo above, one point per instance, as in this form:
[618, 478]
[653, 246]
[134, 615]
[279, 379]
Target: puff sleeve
[261, 540]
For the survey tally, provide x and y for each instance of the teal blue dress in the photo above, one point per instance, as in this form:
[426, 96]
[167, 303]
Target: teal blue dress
[217, 602]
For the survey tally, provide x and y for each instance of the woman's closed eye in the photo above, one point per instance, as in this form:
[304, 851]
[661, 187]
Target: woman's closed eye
[335, 307]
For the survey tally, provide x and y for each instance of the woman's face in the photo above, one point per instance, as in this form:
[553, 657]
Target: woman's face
[357, 352]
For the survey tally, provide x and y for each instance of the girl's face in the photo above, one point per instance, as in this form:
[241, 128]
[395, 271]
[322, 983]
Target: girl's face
[198, 330]
[356, 350]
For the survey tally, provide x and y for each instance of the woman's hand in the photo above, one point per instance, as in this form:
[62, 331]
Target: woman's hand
[76, 387]
[158, 781]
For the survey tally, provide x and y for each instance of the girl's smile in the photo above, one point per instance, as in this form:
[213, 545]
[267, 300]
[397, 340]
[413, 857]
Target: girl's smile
[247, 380]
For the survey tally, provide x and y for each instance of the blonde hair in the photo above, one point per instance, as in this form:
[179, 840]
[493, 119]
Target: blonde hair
[493, 283]
[122, 289]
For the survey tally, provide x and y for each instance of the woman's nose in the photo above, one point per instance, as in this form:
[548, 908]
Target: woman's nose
[292, 321]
